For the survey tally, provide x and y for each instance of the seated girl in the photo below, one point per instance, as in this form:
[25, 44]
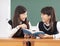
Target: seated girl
[19, 22]
[49, 25]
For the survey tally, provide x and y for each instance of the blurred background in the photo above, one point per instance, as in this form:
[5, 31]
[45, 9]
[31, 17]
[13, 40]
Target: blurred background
[5, 16]
[7, 8]
[34, 7]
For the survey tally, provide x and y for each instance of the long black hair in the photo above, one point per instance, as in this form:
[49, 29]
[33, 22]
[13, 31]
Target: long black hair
[16, 21]
[50, 12]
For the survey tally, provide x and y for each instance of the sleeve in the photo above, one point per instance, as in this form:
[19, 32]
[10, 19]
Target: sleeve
[13, 31]
[57, 36]
[30, 25]
[37, 26]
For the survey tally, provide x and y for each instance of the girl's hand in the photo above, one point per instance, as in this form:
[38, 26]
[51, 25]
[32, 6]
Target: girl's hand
[46, 36]
[24, 26]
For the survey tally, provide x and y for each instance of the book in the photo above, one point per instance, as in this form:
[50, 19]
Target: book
[33, 31]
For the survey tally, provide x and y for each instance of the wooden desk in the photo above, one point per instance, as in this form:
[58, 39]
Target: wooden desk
[46, 42]
[34, 42]
[11, 42]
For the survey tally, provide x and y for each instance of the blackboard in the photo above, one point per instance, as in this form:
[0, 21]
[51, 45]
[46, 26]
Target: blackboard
[34, 7]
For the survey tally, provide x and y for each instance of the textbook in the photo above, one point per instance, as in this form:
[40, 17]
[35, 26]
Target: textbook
[34, 31]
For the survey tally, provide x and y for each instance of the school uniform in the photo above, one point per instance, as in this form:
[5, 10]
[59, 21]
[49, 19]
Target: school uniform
[47, 29]
[18, 32]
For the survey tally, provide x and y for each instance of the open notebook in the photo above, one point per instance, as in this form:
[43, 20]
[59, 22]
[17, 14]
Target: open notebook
[34, 31]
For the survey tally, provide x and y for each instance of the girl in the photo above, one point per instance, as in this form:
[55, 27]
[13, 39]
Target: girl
[20, 21]
[49, 25]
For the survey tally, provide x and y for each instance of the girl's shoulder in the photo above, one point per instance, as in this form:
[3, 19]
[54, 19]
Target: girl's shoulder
[40, 23]
[10, 22]
[58, 23]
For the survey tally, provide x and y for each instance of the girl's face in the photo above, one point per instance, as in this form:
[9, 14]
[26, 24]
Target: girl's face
[23, 16]
[45, 18]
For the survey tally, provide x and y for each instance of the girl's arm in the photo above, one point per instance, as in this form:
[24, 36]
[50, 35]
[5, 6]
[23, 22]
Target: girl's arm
[30, 25]
[57, 36]
[13, 31]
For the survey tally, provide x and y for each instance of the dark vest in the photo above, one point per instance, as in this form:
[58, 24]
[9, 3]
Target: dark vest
[41, 28]
[19, 33]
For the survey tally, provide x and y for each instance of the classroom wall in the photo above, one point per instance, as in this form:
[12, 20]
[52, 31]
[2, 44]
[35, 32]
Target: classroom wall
[34, 7]
[4, 17]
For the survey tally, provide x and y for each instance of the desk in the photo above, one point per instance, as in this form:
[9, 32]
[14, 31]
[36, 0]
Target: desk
[34, 42]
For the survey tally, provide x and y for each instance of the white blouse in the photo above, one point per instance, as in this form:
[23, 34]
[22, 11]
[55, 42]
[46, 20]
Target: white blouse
[14, 30]
[57, 36]
[11, 32]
